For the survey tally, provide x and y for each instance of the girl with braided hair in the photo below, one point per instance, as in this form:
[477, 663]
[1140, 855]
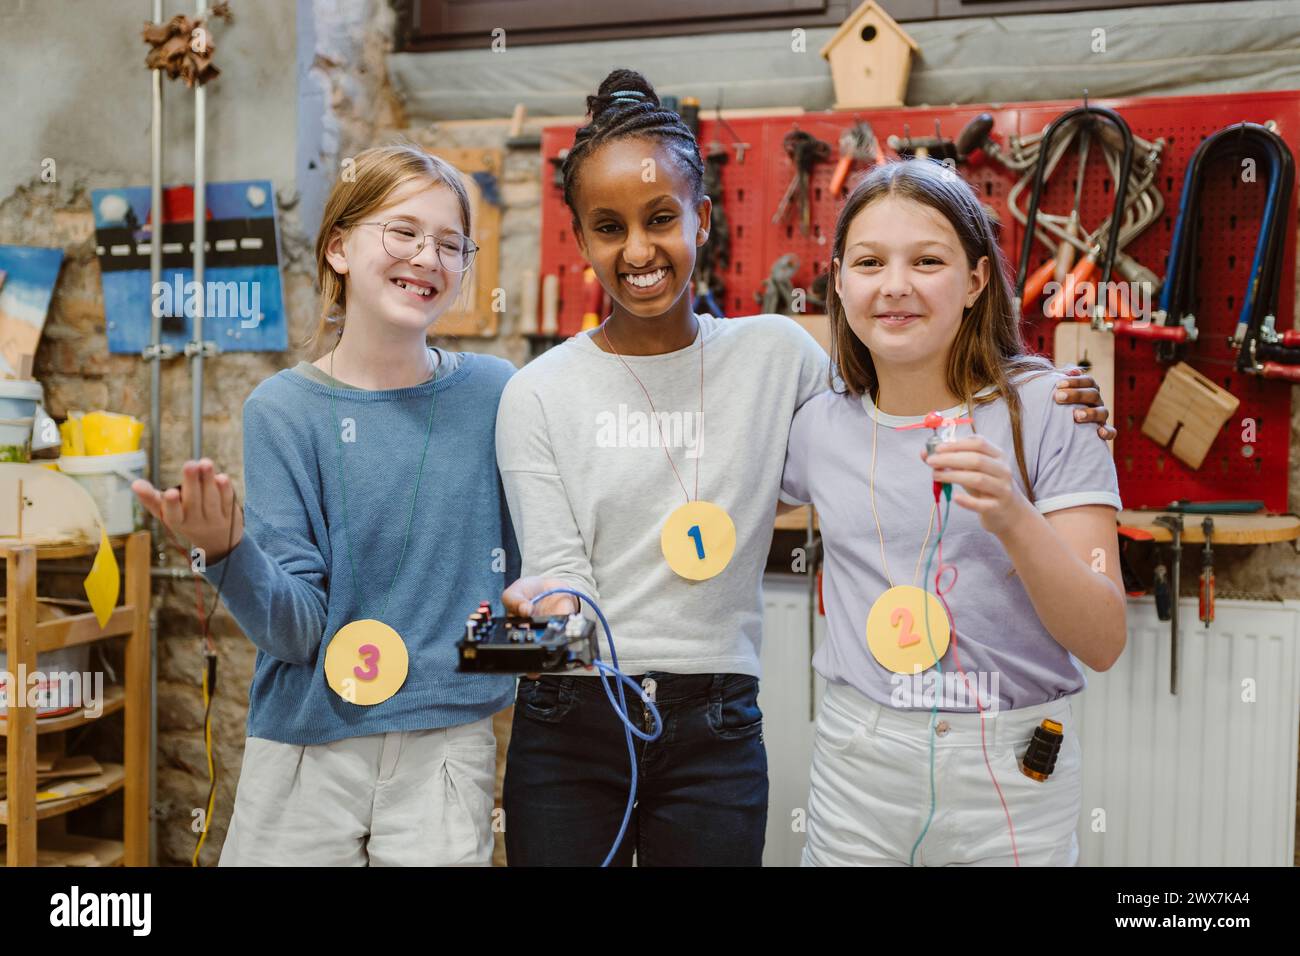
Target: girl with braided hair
[642, 463]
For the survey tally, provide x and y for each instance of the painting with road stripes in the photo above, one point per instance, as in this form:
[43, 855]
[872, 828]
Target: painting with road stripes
[241, 304]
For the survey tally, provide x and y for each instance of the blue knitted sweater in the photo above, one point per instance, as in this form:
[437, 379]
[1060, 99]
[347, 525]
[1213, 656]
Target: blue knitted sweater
[289, 582]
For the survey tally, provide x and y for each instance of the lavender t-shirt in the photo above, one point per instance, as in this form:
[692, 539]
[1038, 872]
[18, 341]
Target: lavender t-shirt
[1011, 658]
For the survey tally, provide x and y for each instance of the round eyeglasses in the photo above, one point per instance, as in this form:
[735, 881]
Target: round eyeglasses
[403, 240]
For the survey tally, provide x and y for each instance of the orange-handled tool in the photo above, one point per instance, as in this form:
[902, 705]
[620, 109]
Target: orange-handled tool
[591, 296]
[1038, 280]
[1078, 277]
[841, 173]
[1207, 574]
[848, 146]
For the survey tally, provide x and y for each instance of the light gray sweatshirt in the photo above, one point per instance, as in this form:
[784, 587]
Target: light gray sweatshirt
[589, 485]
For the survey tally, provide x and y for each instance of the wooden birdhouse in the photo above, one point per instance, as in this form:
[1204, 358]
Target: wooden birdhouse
[870, 59]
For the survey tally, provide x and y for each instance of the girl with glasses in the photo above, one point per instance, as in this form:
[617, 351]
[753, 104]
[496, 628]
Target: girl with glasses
[374, 513]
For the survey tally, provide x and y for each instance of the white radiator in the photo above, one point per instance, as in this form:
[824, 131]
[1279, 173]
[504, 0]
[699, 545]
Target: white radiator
[783, 695]
[1203, 778]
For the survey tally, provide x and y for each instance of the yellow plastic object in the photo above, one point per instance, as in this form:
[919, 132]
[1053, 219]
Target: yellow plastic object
[107, 433]
[73, 441]
[103, 581]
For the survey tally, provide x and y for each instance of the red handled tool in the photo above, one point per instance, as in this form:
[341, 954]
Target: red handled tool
[1207, 573]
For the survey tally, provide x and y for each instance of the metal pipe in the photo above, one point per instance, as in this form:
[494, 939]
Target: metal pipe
[155, 267]
[169, 573]
[200, 240]
[155, 418]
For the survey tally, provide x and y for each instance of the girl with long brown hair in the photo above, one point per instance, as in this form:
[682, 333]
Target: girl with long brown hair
[938, 680]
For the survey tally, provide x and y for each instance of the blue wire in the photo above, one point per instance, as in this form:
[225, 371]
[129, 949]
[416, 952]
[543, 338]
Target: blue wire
[620, 707]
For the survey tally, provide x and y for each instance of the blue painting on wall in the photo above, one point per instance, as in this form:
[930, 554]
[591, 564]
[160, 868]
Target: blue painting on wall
[242, 303]
[29, 276]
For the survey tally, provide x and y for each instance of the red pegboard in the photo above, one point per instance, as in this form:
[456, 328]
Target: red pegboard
[1149, 476]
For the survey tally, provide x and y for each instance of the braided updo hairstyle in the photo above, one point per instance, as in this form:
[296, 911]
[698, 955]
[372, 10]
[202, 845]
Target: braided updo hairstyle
[627, 105]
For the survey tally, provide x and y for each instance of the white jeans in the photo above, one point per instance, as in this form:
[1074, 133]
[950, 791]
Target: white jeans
[870, 791]
[413, 798]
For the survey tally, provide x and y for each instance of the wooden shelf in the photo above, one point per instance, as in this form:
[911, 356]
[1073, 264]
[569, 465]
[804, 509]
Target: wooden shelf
[796, 520]
[68, 849]
[23, 638]
[114, 700]
[1228, 528]
[60, 550]
[113, 776]
[82, 629]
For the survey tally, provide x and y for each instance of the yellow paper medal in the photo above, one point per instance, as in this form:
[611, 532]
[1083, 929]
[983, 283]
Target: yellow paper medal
[896, 629]
[698, 540]
[366, 662]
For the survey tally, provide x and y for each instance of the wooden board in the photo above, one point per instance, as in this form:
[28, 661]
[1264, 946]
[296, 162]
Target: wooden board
[1228, 529]
[796, 520]
[68, 849]
[110, 781]
[1078, 343]
[1188, 413]
[476, 316]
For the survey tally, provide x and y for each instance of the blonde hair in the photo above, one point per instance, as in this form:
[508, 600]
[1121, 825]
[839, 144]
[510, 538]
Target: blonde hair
[375, 174]
[989, 348]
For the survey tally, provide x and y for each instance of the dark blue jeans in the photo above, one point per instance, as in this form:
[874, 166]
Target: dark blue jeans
[701, 787]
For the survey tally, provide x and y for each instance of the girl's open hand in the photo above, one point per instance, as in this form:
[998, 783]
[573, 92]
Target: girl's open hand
[202, 511]
[987, 487]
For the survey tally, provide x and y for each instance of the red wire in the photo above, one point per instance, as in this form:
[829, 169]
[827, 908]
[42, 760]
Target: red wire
[198, 589]
[940, 592]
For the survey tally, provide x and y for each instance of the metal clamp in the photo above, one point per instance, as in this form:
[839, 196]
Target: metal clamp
[209, 349]
[152, 353]
[1175, 525]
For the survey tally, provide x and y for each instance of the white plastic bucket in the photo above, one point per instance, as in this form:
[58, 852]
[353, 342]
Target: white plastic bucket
[18, 401]
[108, 479]
[60, 687]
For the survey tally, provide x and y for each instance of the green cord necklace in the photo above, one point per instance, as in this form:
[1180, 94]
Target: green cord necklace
[377, 646]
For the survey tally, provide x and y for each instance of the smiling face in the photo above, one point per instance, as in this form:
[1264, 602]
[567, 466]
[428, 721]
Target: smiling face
[904, 281]
[406, 294]
[640, 237]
